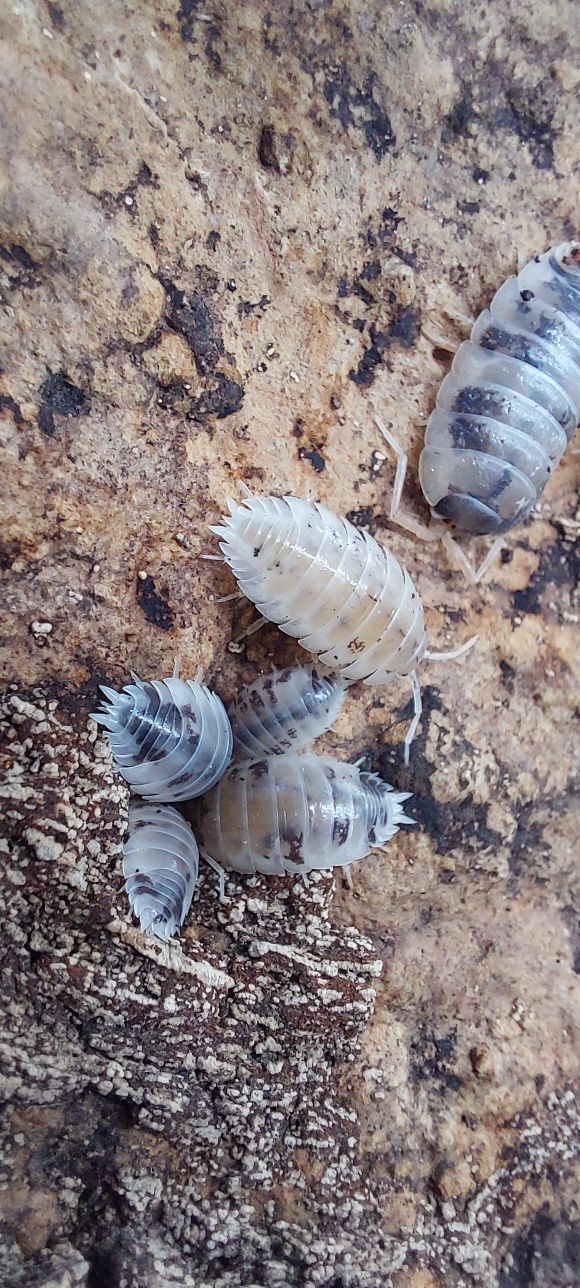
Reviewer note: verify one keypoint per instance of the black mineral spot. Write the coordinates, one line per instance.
(314, 456)
(480, 175)
(223, 399)
(155, 608)
(58, 396)
(247, 307)
(212, 240)
(10, 405)
(402, 331)
(267, 154)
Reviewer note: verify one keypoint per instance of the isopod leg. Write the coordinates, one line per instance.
(212, 863)
(250, 630)
(417, 711)
(473, 573)
(450, 655)
(403, 520)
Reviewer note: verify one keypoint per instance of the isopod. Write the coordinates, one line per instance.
(160, 866)
(293, 813)
(508, 406)
(344, 597)
(284, 711)
(170, 739)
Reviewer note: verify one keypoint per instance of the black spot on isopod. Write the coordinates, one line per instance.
(340, 831)
(294, 840)
(59, 397)
(259, 769)
(153, 605)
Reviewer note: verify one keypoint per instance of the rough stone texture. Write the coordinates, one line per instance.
(226, 233)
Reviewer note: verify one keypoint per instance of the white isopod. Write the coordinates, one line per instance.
(170, 739)
(284, 711)
(160, 866)
(293, 813)
(507, 408)
(333, 588)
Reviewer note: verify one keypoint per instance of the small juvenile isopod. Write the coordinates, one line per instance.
(160, 866)
(508, 406)
(170, 739)
(293, 813)
(333, 588)
(284, 711)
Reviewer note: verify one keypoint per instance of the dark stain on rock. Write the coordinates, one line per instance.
(530, 113)
(56, 16)
(212, 240)
(9, 404)
(155, 608)
(193, 319)
(431, 1058)
(313, 455)
(223, 398)
(459, 119)
(364, 517)
(402, 331)
(267, 154)
(527, 841)
(21, 266)
(454, 828)
(246, 307)
(546, 1255)
(59, 397)
(558, 566)
(186, 15)
(358, 109)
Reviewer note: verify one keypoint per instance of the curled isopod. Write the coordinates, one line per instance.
(508, 406)
(160, 866)
(293, 813)
(284, 711)
(333, 588)
(170, 739)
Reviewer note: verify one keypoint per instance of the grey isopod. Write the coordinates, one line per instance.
(170, 739)
(507, 408)
(160, 866)
(284, 711)
(293, 813)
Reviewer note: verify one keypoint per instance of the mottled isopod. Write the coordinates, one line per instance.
(332, 587)
(160, 866)
(171, 739)
(284, 711)
(296, 813)
(508, 406)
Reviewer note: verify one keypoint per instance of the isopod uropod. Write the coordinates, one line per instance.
(160, 866)
(332, 587)
(508, 406)
(293, 813)
(170, 739)
(284, 711)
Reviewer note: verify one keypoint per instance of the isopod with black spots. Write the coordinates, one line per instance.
(291, 813)
(160, 866)
(284, 711)
(507, 409)
(170, 739)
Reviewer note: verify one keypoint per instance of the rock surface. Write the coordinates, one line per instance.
(226, 235)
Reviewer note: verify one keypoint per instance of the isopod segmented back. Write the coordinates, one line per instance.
(160, 866)
(332, 587)
(510, 402)
(170, 739)
(284, 711)
(293, 813)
